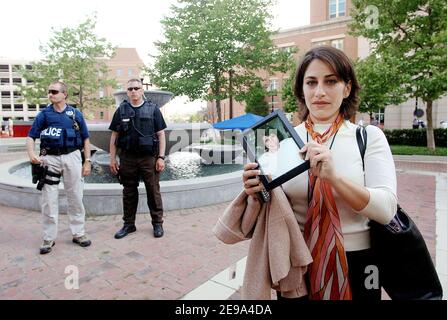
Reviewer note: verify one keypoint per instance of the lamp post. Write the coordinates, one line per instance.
(146, 84)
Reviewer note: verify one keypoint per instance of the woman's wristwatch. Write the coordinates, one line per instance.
(161, 157)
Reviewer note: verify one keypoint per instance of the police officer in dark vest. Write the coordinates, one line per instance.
(63, 134)
(138, 135)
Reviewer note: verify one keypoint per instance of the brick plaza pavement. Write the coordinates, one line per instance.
(142, 267)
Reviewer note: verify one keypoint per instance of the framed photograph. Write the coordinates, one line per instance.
(274, 144)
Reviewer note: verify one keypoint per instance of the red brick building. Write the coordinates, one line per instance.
(328, 26)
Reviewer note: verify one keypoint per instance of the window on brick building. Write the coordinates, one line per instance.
(337, 8)
(273, 85)
(338, 43)
(319, 43)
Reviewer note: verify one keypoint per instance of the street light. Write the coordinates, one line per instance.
(145, 84)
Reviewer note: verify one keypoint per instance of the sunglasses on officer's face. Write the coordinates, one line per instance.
(133, 88)
(53, 91)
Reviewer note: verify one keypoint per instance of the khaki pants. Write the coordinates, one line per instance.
(70, 166)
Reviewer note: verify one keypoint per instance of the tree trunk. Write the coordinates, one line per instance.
(81, 100)
(430, 134)
(219, 117)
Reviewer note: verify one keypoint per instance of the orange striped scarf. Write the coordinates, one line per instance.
(328, 273)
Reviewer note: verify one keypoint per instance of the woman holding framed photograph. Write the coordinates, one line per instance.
(334, 202)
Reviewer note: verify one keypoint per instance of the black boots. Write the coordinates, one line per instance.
(158, 230)
(125, 230)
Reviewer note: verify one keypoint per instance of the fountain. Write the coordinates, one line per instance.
(187, 182)
(178, 136)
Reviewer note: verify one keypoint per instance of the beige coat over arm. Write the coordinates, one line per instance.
(278, 255)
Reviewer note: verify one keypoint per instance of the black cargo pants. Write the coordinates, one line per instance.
(132, 167)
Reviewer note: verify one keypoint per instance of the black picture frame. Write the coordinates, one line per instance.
(286, 166)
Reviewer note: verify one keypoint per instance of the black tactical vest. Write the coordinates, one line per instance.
(136, 130)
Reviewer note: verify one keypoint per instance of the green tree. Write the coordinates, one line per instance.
(255, 100)
(213, 49)
(413, 32)
(76, 57)
(199, 116)
(288, 98)
(380, 81)
(287, 95)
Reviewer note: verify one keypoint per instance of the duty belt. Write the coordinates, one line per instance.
(57, 151)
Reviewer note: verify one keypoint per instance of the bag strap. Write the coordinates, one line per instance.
(362, 140)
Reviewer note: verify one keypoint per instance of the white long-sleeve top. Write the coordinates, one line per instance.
(379, 178)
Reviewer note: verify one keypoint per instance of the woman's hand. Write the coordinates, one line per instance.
(320, 157)
(252, 184)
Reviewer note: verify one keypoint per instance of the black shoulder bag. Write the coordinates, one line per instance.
(406, 269)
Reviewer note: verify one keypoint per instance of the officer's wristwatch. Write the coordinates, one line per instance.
(161, 157)
(88, 159)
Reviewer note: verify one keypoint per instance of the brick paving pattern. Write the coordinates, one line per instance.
(142, 267)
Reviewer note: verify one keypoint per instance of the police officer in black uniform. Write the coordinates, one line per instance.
(63, 134)
(138, 134)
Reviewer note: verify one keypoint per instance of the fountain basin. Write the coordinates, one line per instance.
(216, 153)
(178, 135)
(106, 198)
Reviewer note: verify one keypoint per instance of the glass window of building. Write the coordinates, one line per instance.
(32, 107)
(101, 115)
(119, 72)
(338, 43)
(4, 68)
(6, 94)
(4, 81)
(6, 107)
(101, 93)
(337, 8)
(18, 107)
(273, 84)
(129, 72)
(16, 80)
(319, 43)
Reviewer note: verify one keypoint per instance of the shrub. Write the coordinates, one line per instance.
(415, 137)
